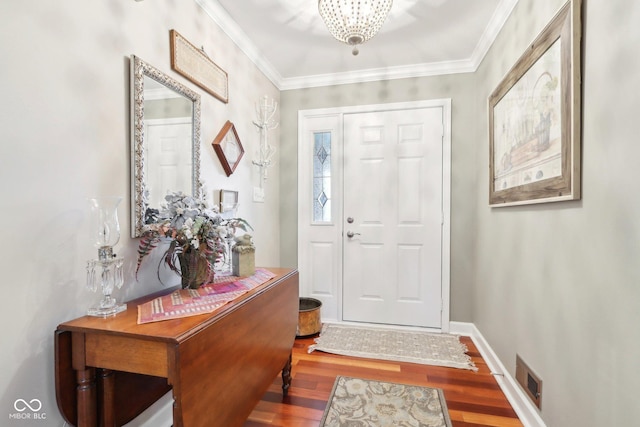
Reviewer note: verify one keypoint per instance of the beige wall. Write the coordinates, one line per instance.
(559, 283)
(458, 87)
(65, 121)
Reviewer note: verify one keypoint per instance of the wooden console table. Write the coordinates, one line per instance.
(218, 365)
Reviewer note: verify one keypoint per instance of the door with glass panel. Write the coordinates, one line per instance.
(373, 213)
(319, 210)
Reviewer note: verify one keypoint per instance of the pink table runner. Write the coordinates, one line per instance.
(206, 299)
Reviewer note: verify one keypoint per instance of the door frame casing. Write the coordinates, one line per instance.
(332, 311)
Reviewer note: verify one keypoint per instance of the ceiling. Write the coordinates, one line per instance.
(289, 42)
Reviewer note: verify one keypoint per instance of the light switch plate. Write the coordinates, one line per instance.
(258, 194)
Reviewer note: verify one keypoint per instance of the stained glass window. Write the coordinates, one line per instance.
(322, 177)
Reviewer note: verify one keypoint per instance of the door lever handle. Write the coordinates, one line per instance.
(350, 234)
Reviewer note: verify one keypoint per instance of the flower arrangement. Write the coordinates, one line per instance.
(197, 236)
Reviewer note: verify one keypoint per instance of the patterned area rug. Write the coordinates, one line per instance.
(396, 345)
(355, 402)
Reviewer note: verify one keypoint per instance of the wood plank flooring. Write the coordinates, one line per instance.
(473, 398)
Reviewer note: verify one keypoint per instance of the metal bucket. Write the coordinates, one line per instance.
(309, 317)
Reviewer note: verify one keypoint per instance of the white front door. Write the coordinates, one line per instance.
(169, 157)
(393, 217)
(381, 252)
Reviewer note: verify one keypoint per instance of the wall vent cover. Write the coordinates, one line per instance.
(530, 382)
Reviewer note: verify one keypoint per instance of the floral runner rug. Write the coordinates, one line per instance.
(205, 299)
(393, 344)
(368, 403)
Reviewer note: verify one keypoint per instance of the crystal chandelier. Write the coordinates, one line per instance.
(354, 21)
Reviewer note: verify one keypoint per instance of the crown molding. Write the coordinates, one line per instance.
(497, 21)
(377, 74)
(240, 38)
(470, 65)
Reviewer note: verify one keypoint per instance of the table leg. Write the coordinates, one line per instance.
(86, 393)
(286, 377)
(107, 397)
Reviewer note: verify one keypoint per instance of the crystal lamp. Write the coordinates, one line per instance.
(106, 271)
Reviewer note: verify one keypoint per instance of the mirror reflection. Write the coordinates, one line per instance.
(168, 129)
(165, 141)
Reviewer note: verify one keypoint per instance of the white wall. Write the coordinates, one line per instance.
(559, 283)
(65, 122)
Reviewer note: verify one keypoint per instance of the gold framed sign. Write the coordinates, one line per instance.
(535, 119)
(196, 66)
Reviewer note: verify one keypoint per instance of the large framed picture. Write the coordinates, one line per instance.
(535, 119)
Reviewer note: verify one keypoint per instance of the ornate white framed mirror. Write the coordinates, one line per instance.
(165, 141)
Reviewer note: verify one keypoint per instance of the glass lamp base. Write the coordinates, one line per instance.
(106, 311)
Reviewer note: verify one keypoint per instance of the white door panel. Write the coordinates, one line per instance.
(389, 173)
(393, 190)
(169, 157)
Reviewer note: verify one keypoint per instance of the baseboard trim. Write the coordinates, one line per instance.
(526, 410)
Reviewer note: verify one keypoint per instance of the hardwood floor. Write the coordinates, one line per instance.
(473, 398)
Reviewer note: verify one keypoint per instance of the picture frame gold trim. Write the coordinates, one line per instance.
(195, 65)
(535, 119)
